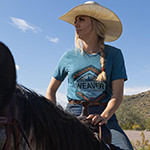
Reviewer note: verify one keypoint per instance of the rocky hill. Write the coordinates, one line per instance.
(135, 111)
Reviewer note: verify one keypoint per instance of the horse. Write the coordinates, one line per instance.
(29, 121)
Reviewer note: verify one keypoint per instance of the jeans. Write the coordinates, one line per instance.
(119, 139)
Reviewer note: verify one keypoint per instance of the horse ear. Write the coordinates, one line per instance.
(7, 73)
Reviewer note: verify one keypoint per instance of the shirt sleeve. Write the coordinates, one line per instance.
(118, 67)
(60, 71)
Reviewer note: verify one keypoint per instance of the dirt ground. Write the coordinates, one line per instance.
(135, 135)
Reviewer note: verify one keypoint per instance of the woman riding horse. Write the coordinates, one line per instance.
(29, 121)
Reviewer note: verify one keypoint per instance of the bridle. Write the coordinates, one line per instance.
(11, 122)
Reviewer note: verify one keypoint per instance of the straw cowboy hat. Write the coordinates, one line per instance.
(92, 9)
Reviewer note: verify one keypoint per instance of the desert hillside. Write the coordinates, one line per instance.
(134, 112)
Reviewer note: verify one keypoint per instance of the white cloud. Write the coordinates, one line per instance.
(135, 90)
(61, 99)
(54, 40)
(23, 25)
(17, 67)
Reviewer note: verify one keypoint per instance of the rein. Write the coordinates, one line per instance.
(11, 122)
(104, 138)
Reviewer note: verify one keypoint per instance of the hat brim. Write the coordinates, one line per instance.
(110, 20)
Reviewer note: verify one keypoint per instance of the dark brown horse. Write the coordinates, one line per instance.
(29, 121)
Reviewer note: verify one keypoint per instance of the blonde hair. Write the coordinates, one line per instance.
(98, 28)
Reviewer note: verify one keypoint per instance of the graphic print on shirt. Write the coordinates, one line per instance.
(87, 87)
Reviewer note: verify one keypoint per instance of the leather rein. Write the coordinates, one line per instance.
(101, 137)
(11, 122)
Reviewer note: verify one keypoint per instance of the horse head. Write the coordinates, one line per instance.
(7, 76)
(7, 86)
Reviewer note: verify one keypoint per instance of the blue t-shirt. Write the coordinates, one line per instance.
(83, 69)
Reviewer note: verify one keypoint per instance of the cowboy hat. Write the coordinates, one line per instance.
(92, 9)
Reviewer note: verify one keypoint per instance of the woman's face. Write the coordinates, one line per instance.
(84, 28)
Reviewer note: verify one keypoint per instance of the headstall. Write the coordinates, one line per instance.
(11, 122)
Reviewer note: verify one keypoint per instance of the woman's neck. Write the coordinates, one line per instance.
(91, 47)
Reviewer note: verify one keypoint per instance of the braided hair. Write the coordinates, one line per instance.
(99, 28)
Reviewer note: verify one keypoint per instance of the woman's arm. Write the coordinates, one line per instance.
(115, 101)
(113, 104)
(52, 89)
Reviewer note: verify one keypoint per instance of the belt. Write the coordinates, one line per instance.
(73, 101)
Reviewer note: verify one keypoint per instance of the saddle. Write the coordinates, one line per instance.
(102, 133)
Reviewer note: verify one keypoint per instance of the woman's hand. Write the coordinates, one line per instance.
(97, 119)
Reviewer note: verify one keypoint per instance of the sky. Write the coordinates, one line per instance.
(37, 40)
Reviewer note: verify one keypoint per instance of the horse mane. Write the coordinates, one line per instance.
(52, 127)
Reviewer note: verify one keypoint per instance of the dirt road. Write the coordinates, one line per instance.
(135, 135)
